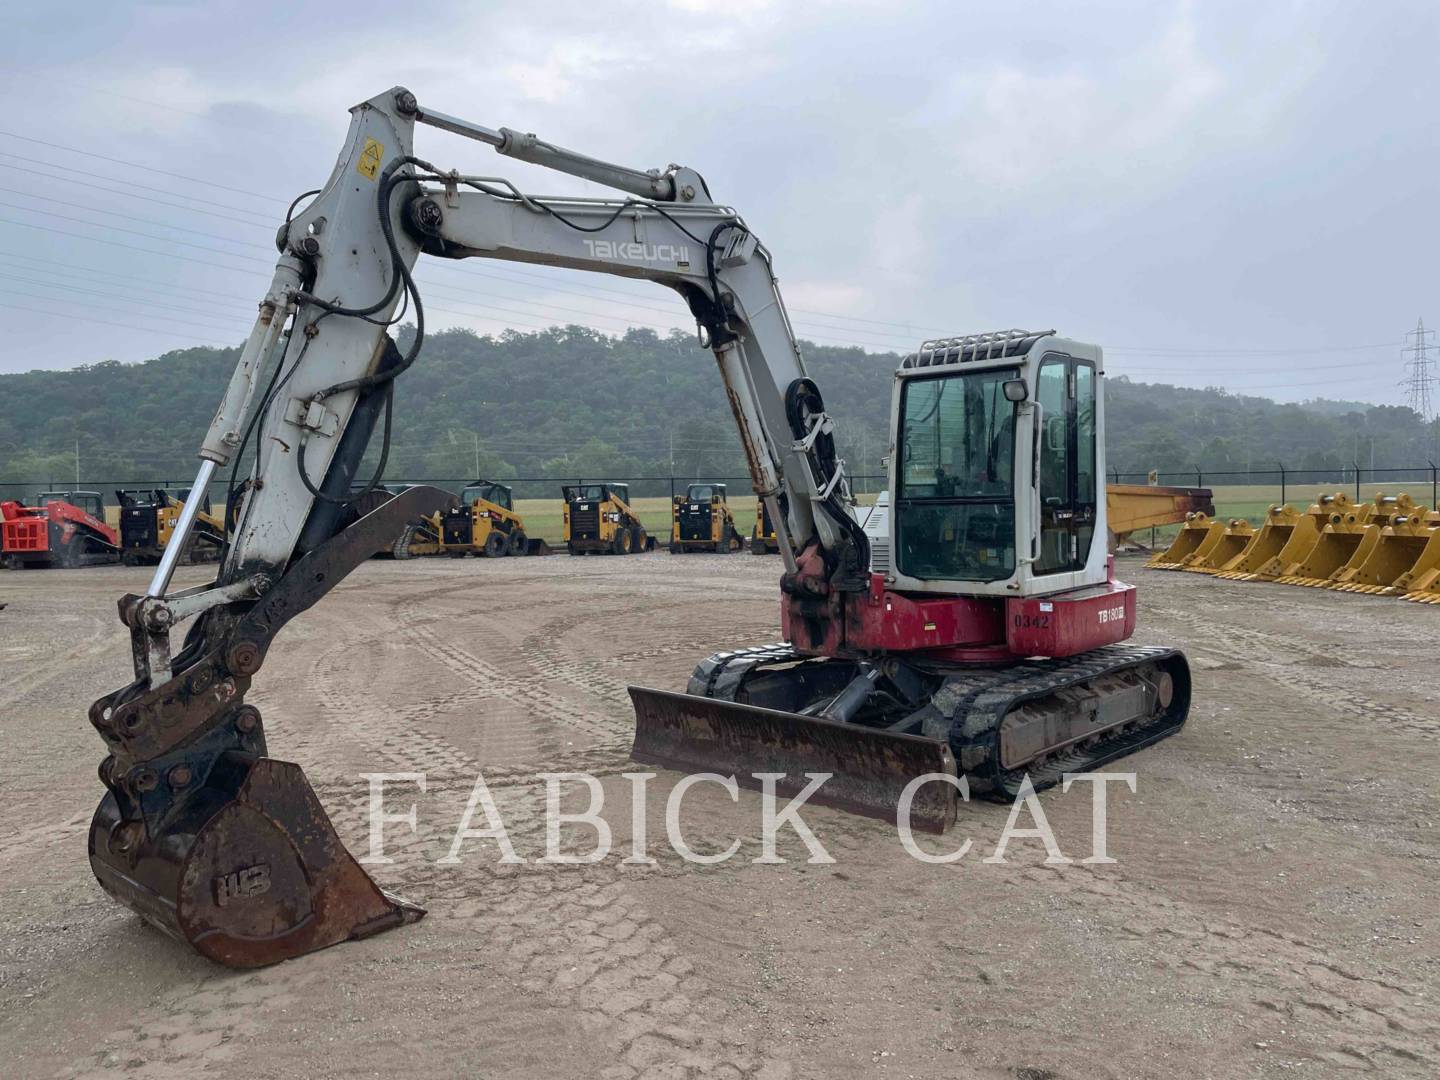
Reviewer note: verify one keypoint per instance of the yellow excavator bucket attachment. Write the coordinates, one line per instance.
(1398, 550)
(1234, 539)
(1265, 544)
(1421, 583)
(1191, 537)
(1304, 535)
(1341, 541)
(1388, 511)
(1211, 540)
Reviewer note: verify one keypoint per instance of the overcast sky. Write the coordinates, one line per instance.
(1234, 194)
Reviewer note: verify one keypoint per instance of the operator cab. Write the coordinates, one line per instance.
(488, 491)
(705, 493)
(89, 501)
(999, 444)
(596, 493)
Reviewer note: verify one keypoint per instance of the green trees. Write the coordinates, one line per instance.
(569, 401)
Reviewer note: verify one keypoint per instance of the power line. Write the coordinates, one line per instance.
(123, 217)
(86, 179)
(146, 168)
(105, 322)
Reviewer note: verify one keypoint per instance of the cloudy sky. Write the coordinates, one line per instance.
(1219, 193)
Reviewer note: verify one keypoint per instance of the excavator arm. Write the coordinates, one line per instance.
(201, 832)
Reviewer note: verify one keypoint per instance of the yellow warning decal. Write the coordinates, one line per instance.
(369, 163)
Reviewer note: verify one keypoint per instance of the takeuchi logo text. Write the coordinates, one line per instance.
(638, 252)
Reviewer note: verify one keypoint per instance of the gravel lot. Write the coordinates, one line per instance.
(1273, 911)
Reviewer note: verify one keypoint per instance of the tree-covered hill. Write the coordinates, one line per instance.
(571, 402)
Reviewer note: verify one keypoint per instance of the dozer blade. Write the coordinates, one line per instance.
(250, 874)
(869, 767)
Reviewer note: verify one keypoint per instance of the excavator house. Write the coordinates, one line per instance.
(979, 635)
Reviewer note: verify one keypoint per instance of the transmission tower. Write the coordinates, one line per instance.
(1418, 374)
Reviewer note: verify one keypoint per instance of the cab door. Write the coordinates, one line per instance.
(1065, 390)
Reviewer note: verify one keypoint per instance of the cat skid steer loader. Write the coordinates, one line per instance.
(599, 521)
(985, 636)
(700, 520)
(485, 523)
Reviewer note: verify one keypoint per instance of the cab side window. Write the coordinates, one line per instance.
(1069, 486)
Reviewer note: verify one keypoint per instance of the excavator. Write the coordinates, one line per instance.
(983, 638)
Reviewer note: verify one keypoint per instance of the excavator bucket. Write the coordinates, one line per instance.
(1194, 534)
(869, 767)
(1396, 551)
(201, 832)
(1343, 542)
(1304, 534)
(1421, 582)
(1265, 544)
(251, 873)
(1214, 533)
(1234, 538)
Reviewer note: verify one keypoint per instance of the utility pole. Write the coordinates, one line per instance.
(1419, 377)
(476, 436)
(77, 463)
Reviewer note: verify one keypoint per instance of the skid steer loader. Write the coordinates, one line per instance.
(147, 521)
(762, 535)
(987, 635)
(598, 521)
(700, 520)
(62, 529)
(485, 523)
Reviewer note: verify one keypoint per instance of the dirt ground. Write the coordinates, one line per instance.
(1273, 910)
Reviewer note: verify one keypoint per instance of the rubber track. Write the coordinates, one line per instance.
(972, 704)
(987, 697)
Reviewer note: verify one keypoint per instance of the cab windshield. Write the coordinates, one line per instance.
(956, 499)
(491, 493)
(702, 492)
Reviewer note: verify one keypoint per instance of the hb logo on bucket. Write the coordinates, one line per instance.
(247, 882)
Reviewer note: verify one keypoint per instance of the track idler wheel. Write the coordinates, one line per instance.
(248, 869)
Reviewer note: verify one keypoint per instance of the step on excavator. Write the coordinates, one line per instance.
(985, 635)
